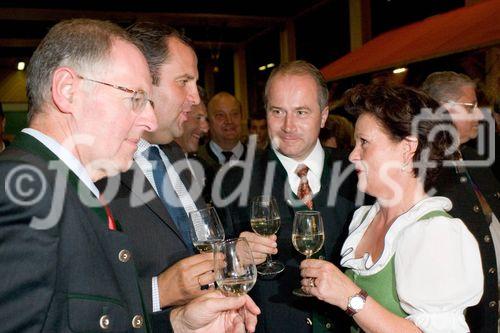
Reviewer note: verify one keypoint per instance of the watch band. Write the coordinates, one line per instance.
(351, 311)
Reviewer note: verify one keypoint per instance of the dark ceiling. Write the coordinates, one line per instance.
(211, 24)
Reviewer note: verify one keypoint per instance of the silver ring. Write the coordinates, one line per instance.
(211, 284)
(311, 283)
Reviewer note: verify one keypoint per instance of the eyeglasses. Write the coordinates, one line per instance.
(469, 107)
(138, 100)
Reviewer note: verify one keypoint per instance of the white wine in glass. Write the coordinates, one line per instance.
(205, 229)
(265, 221)
(235, 270)
(308, 236)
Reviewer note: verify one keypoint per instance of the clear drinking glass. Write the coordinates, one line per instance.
(308, 236)
(235, 271)
(205, 229)
(265, 221)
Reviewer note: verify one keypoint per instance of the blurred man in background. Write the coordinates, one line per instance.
(473, 190)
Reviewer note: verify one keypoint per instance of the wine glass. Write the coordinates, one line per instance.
(205, 229)
(235, 270)
(265, 221)
(308, 237)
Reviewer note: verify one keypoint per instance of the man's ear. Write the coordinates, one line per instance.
(64, 86)
(324, 116)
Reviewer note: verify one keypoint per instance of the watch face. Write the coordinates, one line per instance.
(357, 303)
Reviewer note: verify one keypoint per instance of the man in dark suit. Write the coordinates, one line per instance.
(296, 102)
(152, 203)
(472, 188)
(224, 116)
(65, 264)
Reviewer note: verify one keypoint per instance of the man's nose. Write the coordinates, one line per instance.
(288, 123)
(148, 119)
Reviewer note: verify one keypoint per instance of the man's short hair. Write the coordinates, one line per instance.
(82, 44)
(300, 67)
(446, 86)
(153, 36)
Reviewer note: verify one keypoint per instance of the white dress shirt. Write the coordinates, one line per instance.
(314, 161)
(64, 155)
(237, 151)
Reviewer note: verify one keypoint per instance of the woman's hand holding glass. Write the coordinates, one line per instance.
(308, 237)
(330, 284)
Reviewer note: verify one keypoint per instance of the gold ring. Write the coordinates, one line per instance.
(311, 283)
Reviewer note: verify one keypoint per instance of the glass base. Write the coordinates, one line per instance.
(301, 293)
(271, 267)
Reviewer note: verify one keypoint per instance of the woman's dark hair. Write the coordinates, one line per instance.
(396, 109)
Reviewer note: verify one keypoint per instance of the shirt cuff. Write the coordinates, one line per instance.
(156, 294)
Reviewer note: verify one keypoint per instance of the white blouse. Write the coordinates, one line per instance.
(437, 264)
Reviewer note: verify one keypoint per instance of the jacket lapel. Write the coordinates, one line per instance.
(155, 204)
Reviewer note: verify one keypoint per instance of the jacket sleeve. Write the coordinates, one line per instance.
(28, 256)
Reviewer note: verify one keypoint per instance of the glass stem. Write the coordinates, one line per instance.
(269, 260)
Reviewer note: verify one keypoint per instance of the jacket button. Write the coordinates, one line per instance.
(487, 239)
(124, 255)
(309, 321)
(104, 322)
(328, 325)
(492, 304)
(137, 321)
(463, 179)
(476, 209)
(492, 270)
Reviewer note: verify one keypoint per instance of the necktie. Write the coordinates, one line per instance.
(111, 220)
(168, 195)
(304, 191)
(227, 155)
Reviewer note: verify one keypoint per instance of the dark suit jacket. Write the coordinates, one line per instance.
(66, 276)
(282, 311)
(156, 241)
(211, 165)
(455, 185)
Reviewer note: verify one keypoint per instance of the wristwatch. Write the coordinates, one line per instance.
(356, 302)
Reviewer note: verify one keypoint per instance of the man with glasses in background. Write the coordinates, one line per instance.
(473, 189)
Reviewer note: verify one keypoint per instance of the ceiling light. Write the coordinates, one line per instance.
(400, 70)
(270, 65)
(21, 65)
(262, 68)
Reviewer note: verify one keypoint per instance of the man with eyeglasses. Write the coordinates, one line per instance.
(65, 264)
(473, 190)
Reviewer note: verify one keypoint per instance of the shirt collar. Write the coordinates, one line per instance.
(237, 150)
(65, 155)
(314, 161)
